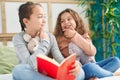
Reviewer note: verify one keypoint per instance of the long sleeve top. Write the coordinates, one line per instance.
(44, 47)
(81, 55)
(85, 43)
(82, 41)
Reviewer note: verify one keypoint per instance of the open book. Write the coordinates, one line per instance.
(55, 70)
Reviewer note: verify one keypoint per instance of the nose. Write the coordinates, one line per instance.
(44, 20)
(66, 21)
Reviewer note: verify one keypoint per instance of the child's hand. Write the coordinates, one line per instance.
(44, 35)
(76, 68)
(69, 33)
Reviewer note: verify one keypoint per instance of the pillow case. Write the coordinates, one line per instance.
(8, 59)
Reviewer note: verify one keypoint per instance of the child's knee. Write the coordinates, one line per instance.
(19, 68)
(117, 60)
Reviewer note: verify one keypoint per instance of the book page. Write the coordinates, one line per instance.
(48, 59)
(47, 66)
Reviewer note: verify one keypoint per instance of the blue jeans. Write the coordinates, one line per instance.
(26, 72)
(102, 68)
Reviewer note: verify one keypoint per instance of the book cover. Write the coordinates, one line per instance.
(55, 70)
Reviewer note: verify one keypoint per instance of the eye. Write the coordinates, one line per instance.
(40, 16)
(69, 19)
(62, 21)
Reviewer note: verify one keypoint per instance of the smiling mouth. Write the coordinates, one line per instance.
(67, 26)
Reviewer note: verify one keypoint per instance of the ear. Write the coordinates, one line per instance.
(25, 20)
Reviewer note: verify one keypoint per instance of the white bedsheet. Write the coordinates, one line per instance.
(6, 77)
(9, 77)
(111, 78)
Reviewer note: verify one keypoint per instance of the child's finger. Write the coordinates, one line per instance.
(38, 33)
(41, 30)
(65, 30)
(72, 72)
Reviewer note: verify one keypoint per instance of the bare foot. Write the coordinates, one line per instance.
(93, 78)
(116, 74)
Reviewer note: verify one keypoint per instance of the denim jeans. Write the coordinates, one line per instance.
(25, 72)
(102, 68)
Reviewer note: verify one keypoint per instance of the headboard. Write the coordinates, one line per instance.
(4, 38)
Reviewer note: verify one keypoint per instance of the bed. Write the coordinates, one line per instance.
(111, 78)
(8, 60)
(9, 77)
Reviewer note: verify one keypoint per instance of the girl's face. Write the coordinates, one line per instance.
(37, 20)
(67, 21)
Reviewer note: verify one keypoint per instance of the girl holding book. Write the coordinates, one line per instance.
(32, 19)
(73, 37)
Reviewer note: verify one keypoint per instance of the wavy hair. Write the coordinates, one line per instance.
(81, 27)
